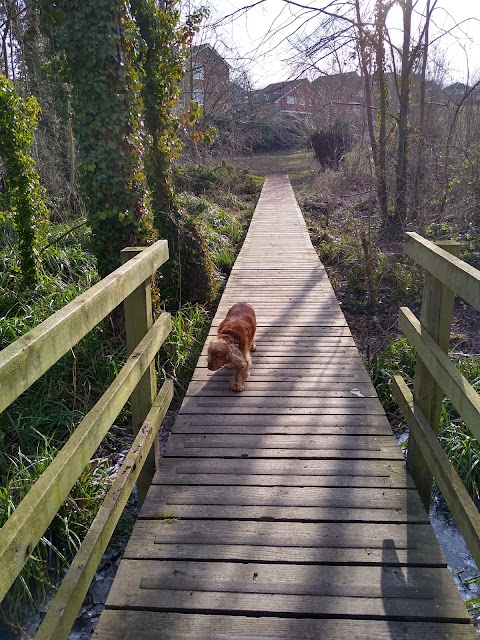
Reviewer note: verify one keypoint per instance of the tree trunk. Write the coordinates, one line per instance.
(396, 222)
(419, 179)
(382, 191)
(98, 38)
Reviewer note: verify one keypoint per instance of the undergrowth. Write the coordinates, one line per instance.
(41, 420)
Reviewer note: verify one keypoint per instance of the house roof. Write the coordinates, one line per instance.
(278, 90)
(197, 48)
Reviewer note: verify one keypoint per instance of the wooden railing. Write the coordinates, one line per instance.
(435, 376)
(24, 361)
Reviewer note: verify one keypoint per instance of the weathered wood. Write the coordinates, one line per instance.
(338, 472)
(282, 420)
(453, 384)
(68, 599)
(346, 444)
(463, 510)
(138, 320)
(452, 272)
(244, 404)
(436, 318)
(146, 625)
(331, 389)
(25, 360)
(272, 374)
(28, 522)
(298, 542)
(289, 588)
(284, 504)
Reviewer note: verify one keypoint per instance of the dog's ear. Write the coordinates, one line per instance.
(236, 358)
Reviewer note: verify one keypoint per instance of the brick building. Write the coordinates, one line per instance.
(207, 81)
(291, 98)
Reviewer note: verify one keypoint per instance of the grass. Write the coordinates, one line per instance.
(179, 355)
(294, 163)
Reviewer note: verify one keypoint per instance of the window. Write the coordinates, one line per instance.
(302, 102)
(291, 100)
(199, 96)
(198, 73)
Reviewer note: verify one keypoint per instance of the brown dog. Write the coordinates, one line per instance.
(232, 346)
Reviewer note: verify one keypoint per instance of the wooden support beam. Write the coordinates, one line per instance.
(138, 320)
(436, 318)
(461, 393)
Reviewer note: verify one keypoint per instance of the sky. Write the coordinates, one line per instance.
(246, 40)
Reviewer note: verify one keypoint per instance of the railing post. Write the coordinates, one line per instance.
(436, 318)
(138, 320)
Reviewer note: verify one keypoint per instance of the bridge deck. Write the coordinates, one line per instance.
(284, 511)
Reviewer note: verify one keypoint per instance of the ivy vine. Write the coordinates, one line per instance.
(24, 197)
(101, 47)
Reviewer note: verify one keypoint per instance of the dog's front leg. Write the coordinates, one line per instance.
(238, 380)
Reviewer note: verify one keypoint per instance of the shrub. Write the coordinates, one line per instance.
(331, 146)
(211, 180)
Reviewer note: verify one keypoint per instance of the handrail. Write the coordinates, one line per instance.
(24, 361)
(436, 376)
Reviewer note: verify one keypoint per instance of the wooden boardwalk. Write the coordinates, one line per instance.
(285, 511)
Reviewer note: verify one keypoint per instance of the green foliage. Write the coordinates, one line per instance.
(24, 199)
(212, 180)
(398, 358)
(204, 236)
(461, 447)
(189, 274)
(61, 540)
(440, 231)
(100, 43)
(222, 229)
(181, 350)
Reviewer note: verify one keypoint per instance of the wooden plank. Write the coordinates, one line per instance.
(297, 542)
(145, 625)
(461, 505)
(286, 406)
(316, 504)
(293, 589)
(63, 610)
(298, 350)
(281, 420)
(323, 442)
(454, 273)
(268, 472)
(22, 531)
(272, 374)
(327, 364)
(26, 359)
(295, 429)
(214, 386)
